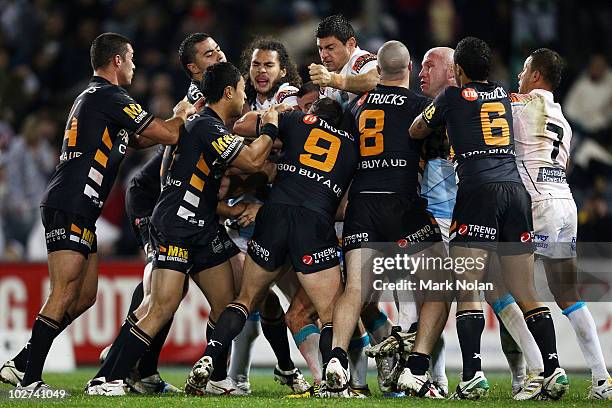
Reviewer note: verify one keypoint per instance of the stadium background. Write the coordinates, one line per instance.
(44, 64)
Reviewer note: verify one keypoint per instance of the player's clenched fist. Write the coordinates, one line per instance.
(320, 75)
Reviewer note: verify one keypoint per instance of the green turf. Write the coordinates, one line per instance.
(268, 394)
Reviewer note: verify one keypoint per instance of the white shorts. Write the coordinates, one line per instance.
(444, 224)
(240, 240)
(555, 224)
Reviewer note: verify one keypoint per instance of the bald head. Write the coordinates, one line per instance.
(394, 61)
(437, 71)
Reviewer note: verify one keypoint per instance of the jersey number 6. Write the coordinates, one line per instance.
(328, 155)
(499, 124)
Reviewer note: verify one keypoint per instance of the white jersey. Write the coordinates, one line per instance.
(286, 94)
(542, 140)
(360, 62)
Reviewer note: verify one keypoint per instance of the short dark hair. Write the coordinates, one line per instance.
(216, 78)
(328, 109)
(548, 63)
(187, 49)
(335, 26)
(285, 62)
(105, 46)
(307, 88)
(474, 56)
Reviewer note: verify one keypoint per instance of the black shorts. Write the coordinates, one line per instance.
(384, 218)
(176, 254)
(306, 236)
(491, 214)
(65, 231)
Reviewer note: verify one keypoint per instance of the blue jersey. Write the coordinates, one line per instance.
(439, 187)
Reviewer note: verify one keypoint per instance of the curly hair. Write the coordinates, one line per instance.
(474, 56)
(285, 61)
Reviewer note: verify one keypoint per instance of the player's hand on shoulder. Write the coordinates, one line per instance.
(183, 109)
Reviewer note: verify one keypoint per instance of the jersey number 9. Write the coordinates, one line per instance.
(498, 124)
(327, 155)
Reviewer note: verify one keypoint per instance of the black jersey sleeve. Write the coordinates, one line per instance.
(223, 146)
(435, 112)
(286, 122)
(128, 113)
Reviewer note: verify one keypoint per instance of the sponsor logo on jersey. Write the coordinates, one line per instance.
(225, 145)
(356, 238)
(402, 243)
(57, 234)
(325, 255)
(527, 236)
(551, 175)
(173, 253)
(361, 61)
(541, 240)
(310, 119)
(282, 95)
(82, 236)
(135, 112)
(477, 231)
(258, 250)
(469, 94)
(362, 99)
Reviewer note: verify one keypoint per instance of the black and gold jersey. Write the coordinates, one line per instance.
(316, 165)
(478, 121)
(95, 141)
(388, 157)
(191, 176)
(194, 93)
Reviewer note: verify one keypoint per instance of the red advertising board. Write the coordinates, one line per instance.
(24, 286)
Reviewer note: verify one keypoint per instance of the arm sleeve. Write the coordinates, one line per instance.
(435, 112)
(363, 64)
(128, 113)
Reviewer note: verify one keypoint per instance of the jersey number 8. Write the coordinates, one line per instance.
(328, 155)
(369, 134)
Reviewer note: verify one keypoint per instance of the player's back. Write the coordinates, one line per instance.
(388, 157)
(95, 141)
(317, 164)
(543, 137)
(478, 119)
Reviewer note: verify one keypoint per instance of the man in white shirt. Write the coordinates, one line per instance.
(542, 138)
(346, 69)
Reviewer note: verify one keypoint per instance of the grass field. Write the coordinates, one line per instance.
(267, 393)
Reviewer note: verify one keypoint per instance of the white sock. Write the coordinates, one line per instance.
(307, 341)
(241, 356)
(407, 315)
(358, 361)
(438, 362)
(586, 333)
(514, 355)
(379, 328)
(512, 317)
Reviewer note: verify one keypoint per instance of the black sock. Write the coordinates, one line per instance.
(137, 297)
(418, 363)
(341, 355)
(230, 324)
(275, 332)
(325, 342)
(45, 330)
(540, 324)
(113, 353)
(470, 325)
(148, 362)
(134, 346)
(413, 327)
(21, 359)
(219, 370)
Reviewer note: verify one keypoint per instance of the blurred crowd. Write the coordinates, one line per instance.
(44, 64)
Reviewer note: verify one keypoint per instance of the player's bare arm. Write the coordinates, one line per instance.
(165, 131)
(253, 157)
(419, 128)
(350, 83)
